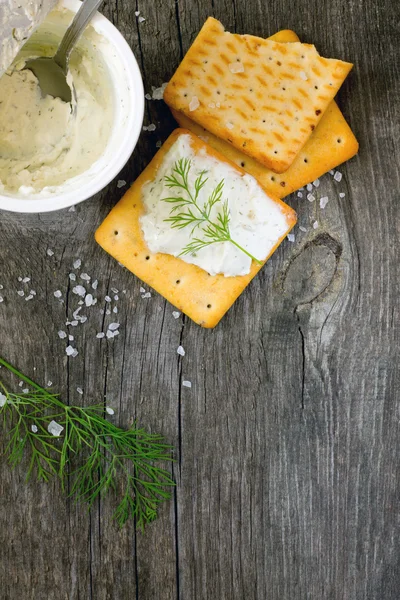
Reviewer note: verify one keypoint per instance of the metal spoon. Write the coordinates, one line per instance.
(52, 72)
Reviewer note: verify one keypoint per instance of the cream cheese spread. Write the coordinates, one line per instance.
(44, 143)
(256, 221)
(18, 20)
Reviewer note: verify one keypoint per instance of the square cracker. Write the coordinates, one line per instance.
(263, 97)
(204, 298)
(330, 144)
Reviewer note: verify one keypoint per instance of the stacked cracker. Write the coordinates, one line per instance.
(265, 104)
(262, 106)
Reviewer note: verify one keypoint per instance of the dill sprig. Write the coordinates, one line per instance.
(92, 454)
(186, 211)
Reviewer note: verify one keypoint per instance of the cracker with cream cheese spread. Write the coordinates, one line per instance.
(204, 298)
(263, 97)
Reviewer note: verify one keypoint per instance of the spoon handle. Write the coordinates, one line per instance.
(74, 31)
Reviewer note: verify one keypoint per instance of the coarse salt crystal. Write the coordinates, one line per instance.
(150, 127)
(21, 293)
(230, 125)
(88, 299)
(29, 297)
(19, 279)
(110, 334)
(1, 287)
(137, 13)
(181, 351)
(71, 209)
(114, 290)
(3, 400)
(62, 334)
(331, 171)
(303, 75)
(1, 299)
(49, 383)
(159, 144)
(323, 201)
(113, 326)
(79, 390)
(186, 383)
(158, 93)
(316, 183)
(95, 284)
(310, 197)
(21, 383)
(146, 295)
(194, 103)
(115, 310)
(302, 228)
(100, 335)
(34, 428)
(57, 294)
(147, 96)
(26, 279)
(71, 338)
(291, 237)
(32, 292)
(108, 312)
(85, 277)
(83, 319)
(142, 290)
(107, 299)
(69, 350)
(79, 290)
(25, 391)
(342, 195)
(55, 428)
(121, 183)
(176, 314)
(72, 323)
(236, 67)
(49, 252)
(315, 224)
(141, 19)
(309, 187)
(116, 298)
(109, 410)
(72, 276)
(77, 263)
(338, 176)
(299, 194)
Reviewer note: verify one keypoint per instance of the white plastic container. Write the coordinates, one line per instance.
(127, 85)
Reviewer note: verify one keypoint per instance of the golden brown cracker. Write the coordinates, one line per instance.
(263, 97)
(204, 298)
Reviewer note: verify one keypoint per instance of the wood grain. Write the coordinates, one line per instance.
(287, 444)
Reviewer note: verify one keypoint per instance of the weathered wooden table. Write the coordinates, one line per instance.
(287, 444)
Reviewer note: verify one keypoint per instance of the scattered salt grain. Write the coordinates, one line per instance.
(176, 314)
(21, 383)
(49, 383)
(299, 194)
(79, 290)
(338, 176)
(310, 197)
(303, 75)
(108, 312)
(71, 209)
(111, 334)
(21, 293)
(26, 280)
(77, 263)
(331, 171)
(115, 310)
(32, 292)
(49, 252)
(186, 383)
(146, 295)
(72, 276)
(83, 319)
(302, 228)
(150, 127)
(211, 105)
(100, 335)
(147, 96)
(316, 183)
(315, 225)
(62, 335)
(291, 237)
(181, 351)
(323, 201)
(57, 294)
(85, 277)
(73, 323)
(342, 195)
(141, 19)
(158, 93)
(79, 390)
(25, 390)
(109, 410)
(230, 125)
(137, 13)
(159, 144)
(55, 428)
(309, 187)
(70, 351)
(116, 298)
(142, 290)
(1, 299)
(29, 297)
(80, 302)
(71, 338)
(114, 290)
(88, 299)
(121, 183)
(236, 67)
(34, 428)
(113, 326)
(20, 279)
(107, 299)
(95, 284)
(194, 103)
(1, 287)
(3, 400)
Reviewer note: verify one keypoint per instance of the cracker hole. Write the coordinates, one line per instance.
(317, 112)
(115, 232)
(218, 92)
(251, 89)
(272, 178)
(306, 160)
(316, 87)
(283, 183)
(302, 56)
(278, 62)
(284, 89)
(135, 254)
(208, 305)
(242, 164)
(339, 141)
(275, 151)
(185, 95)
(147, 257)
(178, 281)
(263, 120)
